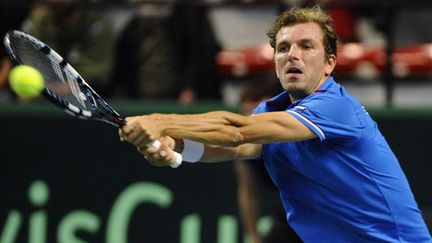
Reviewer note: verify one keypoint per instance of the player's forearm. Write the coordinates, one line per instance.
(214, 153)
(211, 153)
(217, 128)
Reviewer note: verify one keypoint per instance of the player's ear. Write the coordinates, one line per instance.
(276, 69)
(330, 64)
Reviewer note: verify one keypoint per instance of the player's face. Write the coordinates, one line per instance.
(301, 64)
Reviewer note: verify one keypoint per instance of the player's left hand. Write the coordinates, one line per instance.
(162, 157)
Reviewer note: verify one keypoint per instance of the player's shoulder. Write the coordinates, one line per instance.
(332, 104)
(332, 96)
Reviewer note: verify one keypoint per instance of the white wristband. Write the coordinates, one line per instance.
(192, 151)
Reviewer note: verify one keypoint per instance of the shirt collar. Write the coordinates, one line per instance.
(282, 101)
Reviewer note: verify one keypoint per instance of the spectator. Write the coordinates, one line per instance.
(168, 52)
(82, 35)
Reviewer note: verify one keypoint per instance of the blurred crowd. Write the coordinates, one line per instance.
(207, 50)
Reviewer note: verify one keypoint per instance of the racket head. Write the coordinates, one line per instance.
(64, 86)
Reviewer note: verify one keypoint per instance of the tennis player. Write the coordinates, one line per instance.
(339, 180)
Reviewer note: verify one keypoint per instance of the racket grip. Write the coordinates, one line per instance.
(178, 157)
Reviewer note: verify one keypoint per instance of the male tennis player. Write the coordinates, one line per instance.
(339, 180)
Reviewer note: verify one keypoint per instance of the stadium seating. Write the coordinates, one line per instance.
(354, 59)
(413, 61)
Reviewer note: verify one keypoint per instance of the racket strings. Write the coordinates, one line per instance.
(59, 79)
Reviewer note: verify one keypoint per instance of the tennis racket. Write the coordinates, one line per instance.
(64, 87)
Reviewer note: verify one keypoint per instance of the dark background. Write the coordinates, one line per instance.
(86, 167)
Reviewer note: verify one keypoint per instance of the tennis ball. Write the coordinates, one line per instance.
(26, 81)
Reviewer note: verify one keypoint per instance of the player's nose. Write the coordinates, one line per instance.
(293, 53)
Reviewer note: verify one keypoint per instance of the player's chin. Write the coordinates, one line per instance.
(292, 80)
(296, 91)
(292, 85)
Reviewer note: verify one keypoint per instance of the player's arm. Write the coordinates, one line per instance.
(211, 153)
(217, 128)
(214, 153)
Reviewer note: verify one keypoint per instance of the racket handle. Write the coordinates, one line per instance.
(178, 157)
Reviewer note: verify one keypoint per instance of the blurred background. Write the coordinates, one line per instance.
(72, 181)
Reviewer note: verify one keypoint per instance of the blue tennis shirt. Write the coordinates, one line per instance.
(346, 185)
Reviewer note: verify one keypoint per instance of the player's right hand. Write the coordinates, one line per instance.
(140, 130)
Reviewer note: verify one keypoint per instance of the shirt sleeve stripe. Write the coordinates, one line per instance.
(316, 129)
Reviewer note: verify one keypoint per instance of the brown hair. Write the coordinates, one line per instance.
(314, 14)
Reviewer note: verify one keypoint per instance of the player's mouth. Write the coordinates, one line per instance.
(294, 72)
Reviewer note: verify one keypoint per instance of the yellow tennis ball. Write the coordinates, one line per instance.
(26, 81)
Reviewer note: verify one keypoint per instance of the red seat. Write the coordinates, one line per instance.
(360, 60)
(413, 60)
(246, 61)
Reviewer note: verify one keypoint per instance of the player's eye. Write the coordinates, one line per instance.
(307, 45)
(282, 48)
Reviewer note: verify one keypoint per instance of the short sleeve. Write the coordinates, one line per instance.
(330, 118)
